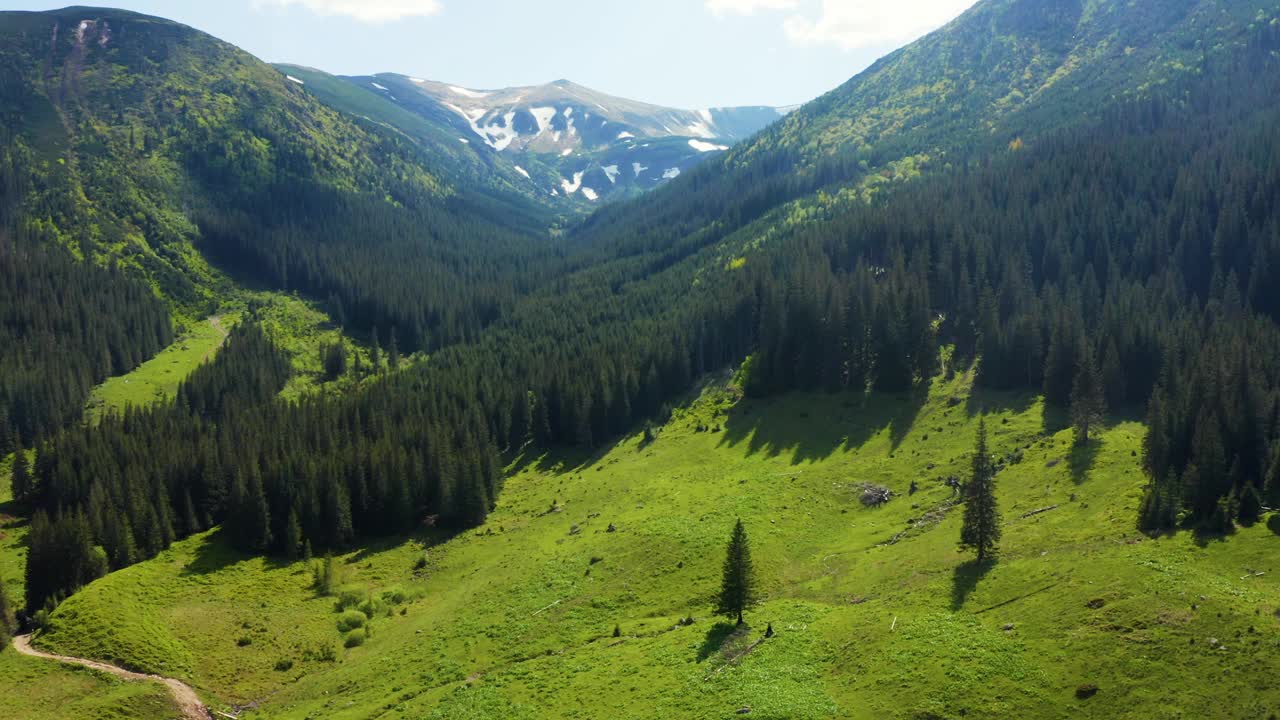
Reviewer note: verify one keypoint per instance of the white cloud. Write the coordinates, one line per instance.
(850, 24)
(370, 11)
(747, 7)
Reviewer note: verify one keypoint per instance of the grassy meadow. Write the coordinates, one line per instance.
(876, 613)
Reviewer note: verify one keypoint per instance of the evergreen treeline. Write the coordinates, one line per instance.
(65, 326)
(279, 476)
(1140, 249)
(421, 272)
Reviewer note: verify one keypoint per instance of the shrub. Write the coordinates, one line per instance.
(350, 620)
(1086, 691)
(372, 607)
(348, 598)
(324, 576)
(284, 665)
(324, 652)
(244, 641)
(355, 638)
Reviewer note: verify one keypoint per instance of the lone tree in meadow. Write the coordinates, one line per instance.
(738, 589)
(981, 529)
(1088, 404)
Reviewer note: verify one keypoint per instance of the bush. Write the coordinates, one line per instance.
(244, 641)
(350, 620)
(324, 576)
(324, 652)
(284, 665)
(355, 638)
(372, 607)
(348, 598)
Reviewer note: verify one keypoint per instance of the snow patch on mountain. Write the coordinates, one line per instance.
(637, 168)
(611, 171)
(496, 135)
(376, 85)
(566, 152)
(572, 187)
(671, 174)
(474, 94)
(294, 79)
(522, 171)
(625, 136)
(701, 146)
(590, 194)
(542, 116)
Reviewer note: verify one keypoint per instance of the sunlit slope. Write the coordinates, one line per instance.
(876, 612)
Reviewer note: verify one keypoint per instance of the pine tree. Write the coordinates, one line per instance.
(738, 587)
(292, 537)
(21, 480)
(981, 530)
(1088, 404)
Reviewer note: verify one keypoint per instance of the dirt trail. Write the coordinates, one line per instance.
(188, 702)
(216, 322)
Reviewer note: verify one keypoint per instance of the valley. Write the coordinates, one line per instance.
(363, 396)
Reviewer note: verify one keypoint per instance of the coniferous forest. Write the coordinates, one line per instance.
(1121, 268)
(1031, 263)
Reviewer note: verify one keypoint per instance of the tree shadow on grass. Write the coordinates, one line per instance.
(765, 430)
(1082, 459)
(1273, 523)
(214, 554)
(986, 401)
(965, 580)
(1055, 419)
(717, 636)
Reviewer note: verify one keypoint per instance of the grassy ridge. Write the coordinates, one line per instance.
(516, 619)
(38, 689)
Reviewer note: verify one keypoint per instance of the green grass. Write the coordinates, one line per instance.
(13, 537)
(158, 378)
(296, 325)
(516, 619)
(37, 689)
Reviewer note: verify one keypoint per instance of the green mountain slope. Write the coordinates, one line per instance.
(876, 614)
(1006, 70)
(1137, 246)
(143, 141)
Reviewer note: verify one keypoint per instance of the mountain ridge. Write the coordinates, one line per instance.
(560, 139)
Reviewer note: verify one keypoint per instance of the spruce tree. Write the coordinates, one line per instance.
(1088, 404)
(981, 530)
(21, 475)
(738, 587)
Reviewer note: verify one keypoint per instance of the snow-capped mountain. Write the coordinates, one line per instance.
(564, 116)
(566, 141)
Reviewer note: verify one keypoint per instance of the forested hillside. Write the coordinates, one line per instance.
(139, 140)
(1062, 215)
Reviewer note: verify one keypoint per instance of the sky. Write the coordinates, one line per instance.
(681, 53)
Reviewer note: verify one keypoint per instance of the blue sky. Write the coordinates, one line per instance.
(684, 53)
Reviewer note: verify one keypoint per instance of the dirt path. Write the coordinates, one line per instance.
(188, 701)
(216, 322)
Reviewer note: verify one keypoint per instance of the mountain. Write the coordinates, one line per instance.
(1004, 71)
(561, 139)
(148, 143)
(882, 331)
